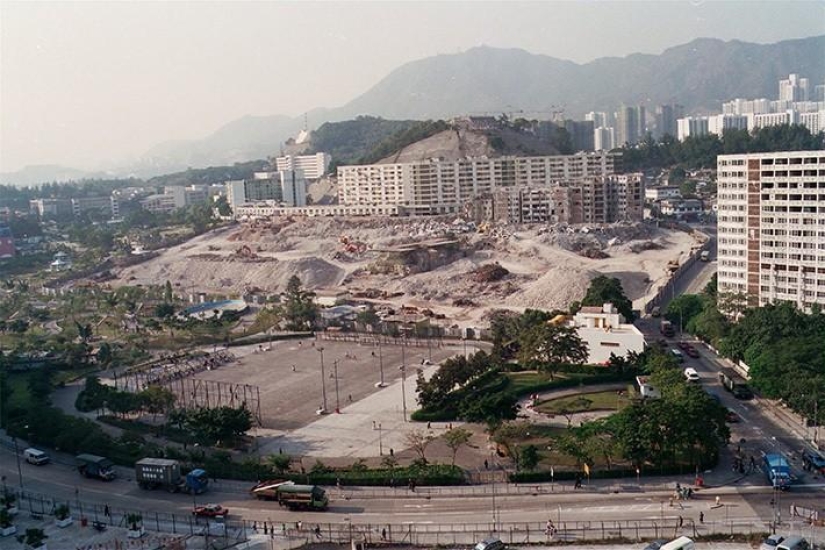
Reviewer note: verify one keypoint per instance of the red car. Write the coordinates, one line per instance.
(691, 351)
(210, 511)
(683, 345)
(731, 417)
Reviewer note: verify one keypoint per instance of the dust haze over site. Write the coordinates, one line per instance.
(96, 85)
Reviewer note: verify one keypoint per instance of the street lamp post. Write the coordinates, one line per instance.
(17, 456)
(380, 442)
(337, 397)
(404, 376)
(381, 383)
(323, 381)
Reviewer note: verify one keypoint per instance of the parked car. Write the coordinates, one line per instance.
(793, 543)
(731, 417)
(771, 542)
(492, 543)
(741, 391)
(813, 462)
(210, 511)
(655, 545)
(691, 351)
(691, 375)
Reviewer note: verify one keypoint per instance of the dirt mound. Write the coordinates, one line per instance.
(556, 289)
(489, 273)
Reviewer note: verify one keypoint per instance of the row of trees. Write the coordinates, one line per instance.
(783, 346)
(701, 151)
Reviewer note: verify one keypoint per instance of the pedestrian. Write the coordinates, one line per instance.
(318, 531)
(384, 533)
(486, 464)
(681, 521)
(392, 453)
(350, 398)
(299, 524)
(718, 499)
(106, 511)
(428, 425)
(293, 368)
(701, 517)
(266, 529)
(255, 526)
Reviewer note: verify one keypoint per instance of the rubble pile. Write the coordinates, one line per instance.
(489, 273)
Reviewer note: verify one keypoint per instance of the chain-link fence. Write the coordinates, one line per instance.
(223, 532)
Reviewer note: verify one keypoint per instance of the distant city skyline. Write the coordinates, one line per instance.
(87, 85)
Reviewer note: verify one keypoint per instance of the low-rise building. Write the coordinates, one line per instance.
(660, 193)
(605, 332)
(105, 204)
(175, 197)
(50, 208)
(681, 208)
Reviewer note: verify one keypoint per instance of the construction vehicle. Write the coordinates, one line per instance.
(294, 497)
(268, 490)
(666, 328)
(777, 470)
(154, 473)
(95, 466)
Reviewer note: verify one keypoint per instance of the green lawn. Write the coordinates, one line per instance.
(598, 401)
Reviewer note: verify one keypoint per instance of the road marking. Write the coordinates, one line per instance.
(418, 506)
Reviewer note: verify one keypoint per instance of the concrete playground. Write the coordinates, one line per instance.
(371, 419)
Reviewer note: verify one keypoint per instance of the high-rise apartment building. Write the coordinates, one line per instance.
(691, 127)
(666, 117)
(604, 139)
(794, 88)
(581, 134)
(599, 118)
(285, 186)
(313, 166)
(771, 226)
(630, 124)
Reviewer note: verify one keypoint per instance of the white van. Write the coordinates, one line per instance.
(36, 456)
(682, 543)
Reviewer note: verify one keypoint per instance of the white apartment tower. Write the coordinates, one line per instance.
(794, 89)
(771, 226)
(313, 166)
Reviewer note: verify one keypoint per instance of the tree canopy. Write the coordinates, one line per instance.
(605, 289)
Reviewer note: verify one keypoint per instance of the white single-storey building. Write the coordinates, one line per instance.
(605, 332)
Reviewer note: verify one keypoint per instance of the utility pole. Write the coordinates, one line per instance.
(403, 379)
(381, 383)
(337, 397)
(323, 381)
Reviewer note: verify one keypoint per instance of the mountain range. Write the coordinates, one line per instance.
(699, 75)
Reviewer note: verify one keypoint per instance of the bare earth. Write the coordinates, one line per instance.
(545, 269)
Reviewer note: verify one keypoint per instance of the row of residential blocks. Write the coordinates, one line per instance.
(581, 188)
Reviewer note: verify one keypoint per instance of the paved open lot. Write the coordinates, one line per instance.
(371, 419)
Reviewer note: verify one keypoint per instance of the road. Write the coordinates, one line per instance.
(599, 501)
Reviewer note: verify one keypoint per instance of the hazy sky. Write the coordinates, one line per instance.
(86, 83)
